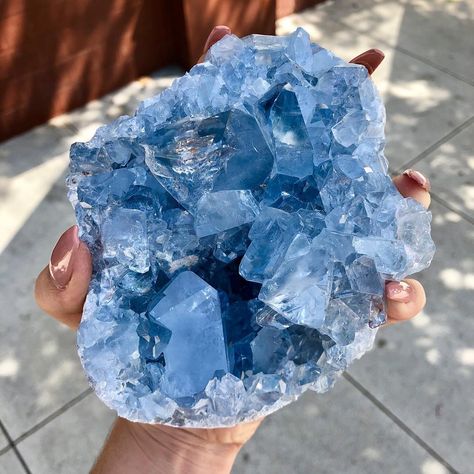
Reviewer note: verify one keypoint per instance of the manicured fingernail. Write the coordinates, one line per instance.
(419, 178)
(217, 33)
(62, 257)
(398, 291)
(371, 59)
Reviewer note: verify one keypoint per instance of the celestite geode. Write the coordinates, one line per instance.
(242, 225)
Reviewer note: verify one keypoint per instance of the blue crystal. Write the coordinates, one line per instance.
(242, 226)
(190, 310)
(219, 211)
(300, 288)
(293, 151)
(116, 242)
(270, 235)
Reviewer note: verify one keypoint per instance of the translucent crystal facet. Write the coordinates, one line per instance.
(242, 226)
(190, 310)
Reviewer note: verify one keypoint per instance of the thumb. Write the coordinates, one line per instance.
(62, 286)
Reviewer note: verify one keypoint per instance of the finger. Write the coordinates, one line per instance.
(415, 185)
(405, 300)
(217, 33)
(371, 59)
(62, 286)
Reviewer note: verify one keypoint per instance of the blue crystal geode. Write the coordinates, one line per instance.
(242, 225)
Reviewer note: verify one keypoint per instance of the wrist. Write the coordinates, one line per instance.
(180, 450)
(141, 448)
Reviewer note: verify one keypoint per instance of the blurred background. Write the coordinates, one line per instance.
(406, 407)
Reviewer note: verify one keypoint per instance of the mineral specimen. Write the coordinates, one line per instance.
(242, 225)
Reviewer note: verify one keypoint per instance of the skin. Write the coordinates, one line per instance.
(132, 448)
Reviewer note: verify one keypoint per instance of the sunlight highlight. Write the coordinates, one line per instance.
(430, 466)
(466, 356)
(456, 280)
(9, 367)
(23, 194)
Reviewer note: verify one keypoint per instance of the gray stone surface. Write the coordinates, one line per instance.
(31, 149)
(429, 29)
(423, 370)
(423, 104)
(339, 432)
(28, 170)
(9, 464)
(71, 442)
(39, 367)
(451, 171)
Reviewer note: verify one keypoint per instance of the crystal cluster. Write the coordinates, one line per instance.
(242, 225)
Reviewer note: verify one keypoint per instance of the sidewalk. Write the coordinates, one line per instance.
(407, 407)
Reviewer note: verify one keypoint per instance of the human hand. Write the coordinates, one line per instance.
(61, 289)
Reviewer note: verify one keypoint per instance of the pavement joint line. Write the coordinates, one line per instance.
(442, 202)
(434, 65)
(430, 150)
(456, 131)
(72, 128)
(11, 445)
(407, 52)
(47, 420)
(408, 431)
(459, 212)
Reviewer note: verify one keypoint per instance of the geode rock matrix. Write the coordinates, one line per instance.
(242, 225)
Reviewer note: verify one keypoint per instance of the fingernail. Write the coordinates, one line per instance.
(419, 178)
(371, 59)
(398, 291)
(217, 33)
(62, 257)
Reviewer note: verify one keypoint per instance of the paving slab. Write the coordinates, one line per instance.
(423, 103)
(451, 171)
(423, 371)
(340, 431)
(438, 31)
(21, 194)
(9, 464)
(39, 367)
(71, 442)
(29, 165)
(28, 150)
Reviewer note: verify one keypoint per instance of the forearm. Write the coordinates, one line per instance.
(134, 448)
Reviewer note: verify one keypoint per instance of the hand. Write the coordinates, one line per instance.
(61, 289)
